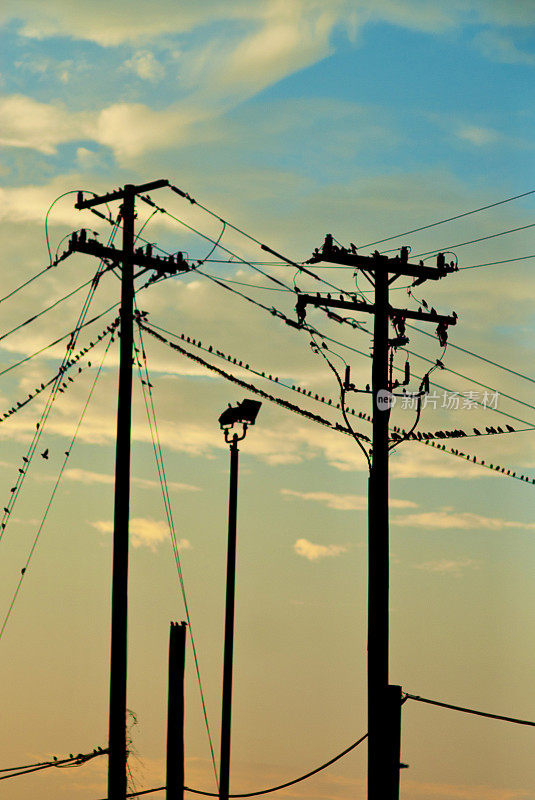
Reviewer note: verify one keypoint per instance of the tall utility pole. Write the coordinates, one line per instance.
(126, 259)
(384, 700)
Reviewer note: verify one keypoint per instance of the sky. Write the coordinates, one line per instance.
(289, 120)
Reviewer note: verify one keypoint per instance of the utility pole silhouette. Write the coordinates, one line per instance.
(384, 700)
(126, 259)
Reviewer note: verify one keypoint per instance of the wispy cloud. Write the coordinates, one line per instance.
(143, 532)
(313, 552)
(87, 477)
(499, 46)
(447, 566)
(478, 136)
(343, 502)
(462, 520)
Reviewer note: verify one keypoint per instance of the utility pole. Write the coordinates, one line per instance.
(383, 717)
(175, 713)
(126, 259)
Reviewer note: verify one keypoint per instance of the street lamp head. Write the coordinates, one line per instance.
(244, 413)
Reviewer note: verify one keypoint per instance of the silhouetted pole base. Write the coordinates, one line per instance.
(226, 711)
(175, 712)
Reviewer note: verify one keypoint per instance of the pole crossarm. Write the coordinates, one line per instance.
(170, 264)
(119, 194)
(399, 264)
(357, 305)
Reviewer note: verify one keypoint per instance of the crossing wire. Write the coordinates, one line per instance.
(158, 455)
(292, 387)
(272, 788)
(337, 288)
(72, 761)
(40, 425)
(450, 219)
(67, 335)
(321, 420)
(54, 490)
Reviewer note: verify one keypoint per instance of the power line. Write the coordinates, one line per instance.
(23, 471)
(313, 396)
(67, 335)
(473, 241)
(50, 307)
(321, 420)
(271, 789)
(72, 761)
(30, 280)
(469, 710)
(450, 219)
(275, 312)
(53, 493)
(60, 374)
(493, 263)
(475, 355)
(158, 455)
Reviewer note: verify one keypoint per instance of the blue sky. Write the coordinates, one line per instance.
(290, 119)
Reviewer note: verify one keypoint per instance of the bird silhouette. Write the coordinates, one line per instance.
(44, 454)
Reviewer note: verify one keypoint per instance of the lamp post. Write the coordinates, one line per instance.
(243, 414)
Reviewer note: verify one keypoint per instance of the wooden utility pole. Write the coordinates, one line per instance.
(383, 730)
(175, 713)
(126, 259)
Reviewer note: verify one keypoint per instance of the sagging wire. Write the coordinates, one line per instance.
(422, 390)
(319, 350)
(53, 203)
(72, 761)
(53, 392)
(428, 439)
(67, 335)
(37, 391)
(54, 490)
(146, 386)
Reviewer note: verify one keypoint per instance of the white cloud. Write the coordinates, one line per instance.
(343, 502)
(462, 520)
(313, 552)
(143, 532)
(146, 66)
(27, 123)
(447, 566)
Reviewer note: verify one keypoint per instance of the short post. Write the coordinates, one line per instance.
(175, 712)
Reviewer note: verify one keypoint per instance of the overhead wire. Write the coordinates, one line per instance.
(449, 219)
(74, 761)
(67, 335)
(54, 490)
(272, 788)
(474, 711)
(316, 418)
(158, 455)
(474, 241)
(53, 394)
(338, 289)
(48, 308)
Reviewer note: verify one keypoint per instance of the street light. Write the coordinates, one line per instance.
(244, 414)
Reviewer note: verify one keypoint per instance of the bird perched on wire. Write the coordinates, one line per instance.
(44, 454)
